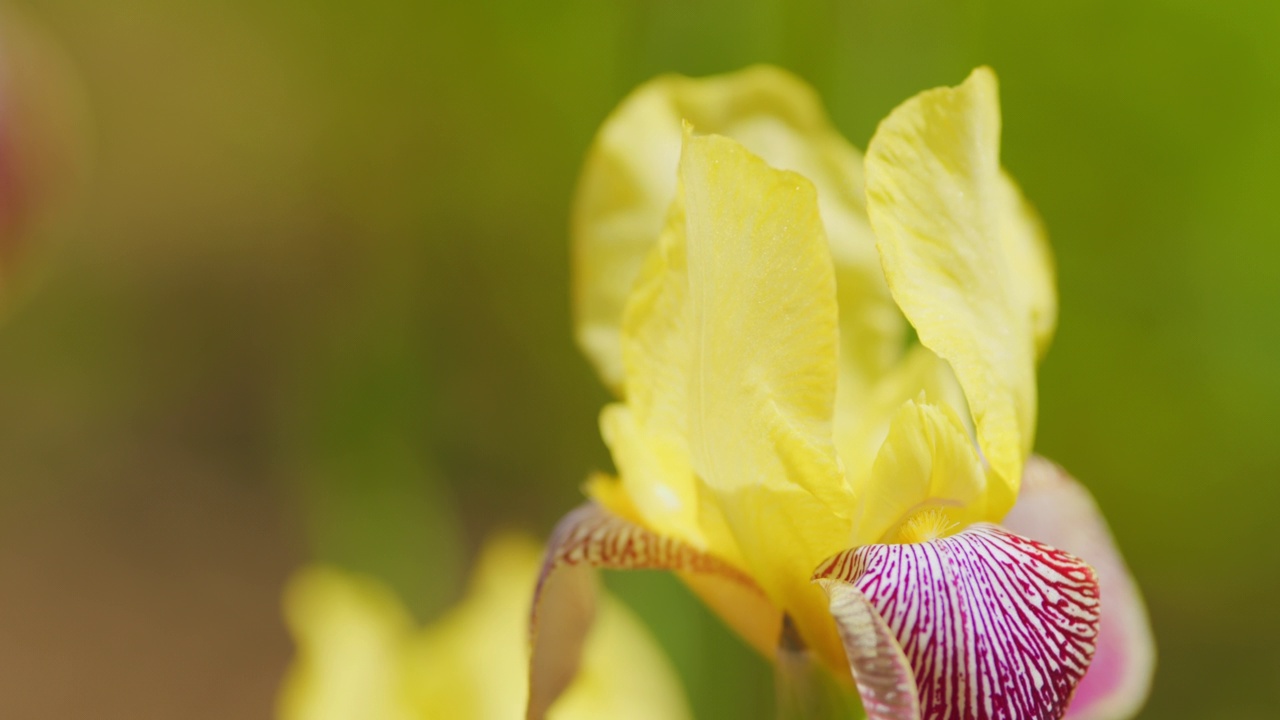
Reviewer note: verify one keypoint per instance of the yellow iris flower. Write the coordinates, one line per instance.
(745, 282)
(361, 656)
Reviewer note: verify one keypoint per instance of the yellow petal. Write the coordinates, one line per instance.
(934, 195)
(609, 493)
(859, 437)
(761, 320)
(472, 661)
(648, 436)
(752, 284)
(927, 462)
(622, 674)
(1031, 260)
(655, 473)
(351, 635)
(629, 180)
(359, 655)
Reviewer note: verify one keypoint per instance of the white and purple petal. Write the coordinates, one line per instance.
(993, 626)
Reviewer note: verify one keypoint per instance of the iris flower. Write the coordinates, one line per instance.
(826, 479)
(360, 654)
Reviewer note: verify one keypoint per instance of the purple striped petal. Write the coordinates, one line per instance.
(993, 625)
(565, 597)
(1057, 509)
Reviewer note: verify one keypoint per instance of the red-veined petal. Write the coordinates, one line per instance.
(591, 537)
(1057, 509)
(994, 626)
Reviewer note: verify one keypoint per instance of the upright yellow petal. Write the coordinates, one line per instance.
(762, 371)
(762, 323)
(648, 436)
(926, 465)
(935, 197)
(629, 180)
(859, 438)
(1031, 260)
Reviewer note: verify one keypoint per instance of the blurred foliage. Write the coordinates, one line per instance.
(324, 249)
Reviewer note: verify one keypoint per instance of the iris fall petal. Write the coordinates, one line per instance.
(993, 625)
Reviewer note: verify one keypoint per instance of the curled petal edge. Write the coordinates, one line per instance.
(882, 673)
(565, 596)
(989, 623)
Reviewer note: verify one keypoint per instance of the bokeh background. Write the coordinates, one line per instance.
(301, 294)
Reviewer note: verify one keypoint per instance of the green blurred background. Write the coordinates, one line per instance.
(311, 302)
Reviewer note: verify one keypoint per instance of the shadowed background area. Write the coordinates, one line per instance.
(308, 298)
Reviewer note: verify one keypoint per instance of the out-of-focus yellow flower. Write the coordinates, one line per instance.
(360, 655)
(747, 293)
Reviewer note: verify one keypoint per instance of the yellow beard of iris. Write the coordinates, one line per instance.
(925, 525)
